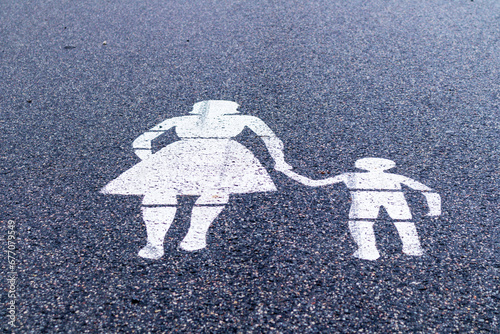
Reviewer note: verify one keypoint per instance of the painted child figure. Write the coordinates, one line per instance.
(372, 190)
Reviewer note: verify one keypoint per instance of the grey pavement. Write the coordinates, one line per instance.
(416, 82)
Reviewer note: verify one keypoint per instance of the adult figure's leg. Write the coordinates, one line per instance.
(205, 210)
(158, 212)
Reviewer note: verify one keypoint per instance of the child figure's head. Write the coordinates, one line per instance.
(375, 164)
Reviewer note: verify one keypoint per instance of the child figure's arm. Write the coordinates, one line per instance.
(434, 203)
(433, 199)
(313, 183)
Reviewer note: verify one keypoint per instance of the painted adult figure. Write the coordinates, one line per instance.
(206, 162)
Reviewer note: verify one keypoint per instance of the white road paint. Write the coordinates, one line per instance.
(362, 233)
(369, 192)
(206, 162)
(158, 221)
(201, 218)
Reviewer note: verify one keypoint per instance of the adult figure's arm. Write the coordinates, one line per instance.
(273, 143)
(142, 144)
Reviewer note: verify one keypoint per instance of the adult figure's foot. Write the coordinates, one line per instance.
(201, 218)
(192, 245)
(151, 252)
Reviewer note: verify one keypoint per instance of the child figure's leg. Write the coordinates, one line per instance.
(398, 209)
(365, 205)
(158, 220)
(409, 237)
(363, 235)
(206, 209)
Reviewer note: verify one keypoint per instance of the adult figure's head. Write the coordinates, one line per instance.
(214, 108)
(375, 164)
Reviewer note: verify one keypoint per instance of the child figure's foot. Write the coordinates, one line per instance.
(363, 235)
(151, 252)
(367, 254)
(409, 236)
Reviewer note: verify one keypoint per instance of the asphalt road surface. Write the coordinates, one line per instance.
(415, 82)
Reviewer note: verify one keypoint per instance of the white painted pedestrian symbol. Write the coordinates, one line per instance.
(369, 192)
(206, 162)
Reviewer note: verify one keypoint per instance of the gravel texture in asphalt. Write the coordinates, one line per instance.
(416, 82)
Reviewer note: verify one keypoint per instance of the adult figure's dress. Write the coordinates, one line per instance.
(206, 162)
